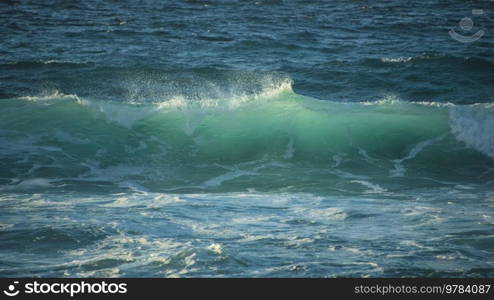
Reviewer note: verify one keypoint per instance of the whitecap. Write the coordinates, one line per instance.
(216, 248)
(474, 125)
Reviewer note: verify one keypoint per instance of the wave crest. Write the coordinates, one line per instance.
(209, 143)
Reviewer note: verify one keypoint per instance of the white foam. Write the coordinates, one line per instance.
(474, 125)
(395, 100)
(418, 211)
(216, 248)
(373, 188)
(445, 257)
(323, 214)
(297, 242)
(274, 89)
(54, 95)
(126, 114)
(28, 184)
(227, 102)
(129, 250)
(396, 59)
(427, 215)
(164, 199)
(189, 260)
(252, 238)
(387, 100)
(251, 220)
(412, 243)
(350, 249)
(150, 201)
(399, 169)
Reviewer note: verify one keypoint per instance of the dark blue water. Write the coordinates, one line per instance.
(246, 138)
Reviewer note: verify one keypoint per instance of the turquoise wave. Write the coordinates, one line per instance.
(271, 139)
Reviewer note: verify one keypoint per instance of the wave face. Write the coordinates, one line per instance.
(244, 141)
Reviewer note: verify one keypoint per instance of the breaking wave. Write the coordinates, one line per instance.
(57, 139)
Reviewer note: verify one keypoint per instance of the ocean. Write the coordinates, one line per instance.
(259, 138)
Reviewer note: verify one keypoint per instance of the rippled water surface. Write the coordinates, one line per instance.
(246, 138)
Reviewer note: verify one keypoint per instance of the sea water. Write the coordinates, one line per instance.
(245, 139)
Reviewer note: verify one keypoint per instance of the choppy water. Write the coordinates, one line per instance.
(249, 138)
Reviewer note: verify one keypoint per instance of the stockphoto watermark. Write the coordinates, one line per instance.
(64, 288)
(464, 31)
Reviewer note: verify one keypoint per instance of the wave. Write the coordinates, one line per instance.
(187, 143)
